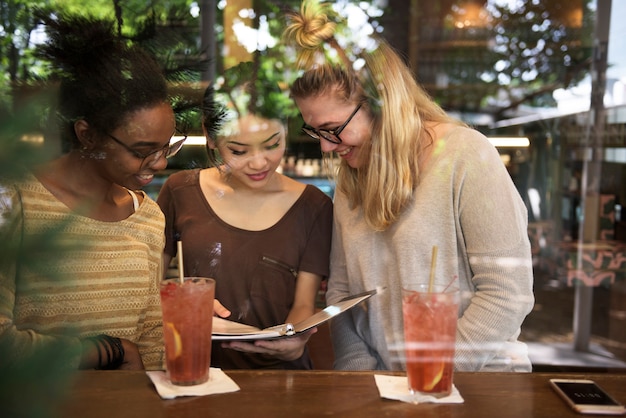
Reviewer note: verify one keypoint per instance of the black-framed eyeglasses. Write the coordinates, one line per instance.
(331, 135)
(152, 157)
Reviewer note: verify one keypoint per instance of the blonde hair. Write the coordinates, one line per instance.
(398, 108)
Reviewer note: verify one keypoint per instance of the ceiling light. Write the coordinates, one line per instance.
(509, 141)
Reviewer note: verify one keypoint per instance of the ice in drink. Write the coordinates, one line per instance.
(430, 320)
(187, 324)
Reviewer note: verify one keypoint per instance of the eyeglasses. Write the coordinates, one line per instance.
(331, 135)
(150, 158)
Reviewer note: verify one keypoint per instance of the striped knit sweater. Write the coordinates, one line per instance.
(70, 277)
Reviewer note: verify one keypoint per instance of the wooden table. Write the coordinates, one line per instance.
(280, 394)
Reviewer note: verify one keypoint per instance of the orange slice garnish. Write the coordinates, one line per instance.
(435, 379)
(178, 342)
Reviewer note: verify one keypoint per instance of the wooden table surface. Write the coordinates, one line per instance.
(114, 394)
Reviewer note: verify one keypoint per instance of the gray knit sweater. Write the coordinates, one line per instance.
(467, 205)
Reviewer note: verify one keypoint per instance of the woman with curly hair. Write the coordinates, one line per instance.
(411, 177)
(82, 285)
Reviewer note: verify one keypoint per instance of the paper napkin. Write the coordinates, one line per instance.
(397, 388)
(219, 382)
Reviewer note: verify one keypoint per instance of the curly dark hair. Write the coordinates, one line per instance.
(103, 77)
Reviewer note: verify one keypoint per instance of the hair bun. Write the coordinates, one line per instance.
(310, 29)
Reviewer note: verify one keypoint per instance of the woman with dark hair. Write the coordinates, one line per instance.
(92, 292)
(264, 237)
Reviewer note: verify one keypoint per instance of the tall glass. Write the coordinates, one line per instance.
(187, 324)
(430, 320)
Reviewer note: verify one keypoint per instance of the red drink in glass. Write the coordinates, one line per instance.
(430, 320)
(187, 324)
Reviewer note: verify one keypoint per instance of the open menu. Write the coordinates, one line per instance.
(224, 329)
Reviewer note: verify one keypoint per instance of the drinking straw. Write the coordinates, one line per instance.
(449, 284)
(181, 274)
(433, 263)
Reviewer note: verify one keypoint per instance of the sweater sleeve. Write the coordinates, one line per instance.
(21, 348)
(493, 224)
(350, 349)
(351, 352)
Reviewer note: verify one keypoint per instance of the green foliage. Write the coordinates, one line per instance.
(525, 51)
(20, 143)
(37, 389)
(166, 29)
(539, 44)
(32, 389)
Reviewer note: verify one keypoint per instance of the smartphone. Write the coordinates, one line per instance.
(586, 397)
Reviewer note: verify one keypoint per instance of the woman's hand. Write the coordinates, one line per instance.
(286, 349)
(96, 355)
(132, 358)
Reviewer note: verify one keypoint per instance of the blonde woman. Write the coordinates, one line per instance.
(411, 177)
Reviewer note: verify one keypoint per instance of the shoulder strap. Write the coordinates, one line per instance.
(135, 200)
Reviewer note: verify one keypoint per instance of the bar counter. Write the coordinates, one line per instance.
(321, 393)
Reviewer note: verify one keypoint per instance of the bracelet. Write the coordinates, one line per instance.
(117, 355)
(113, 349)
